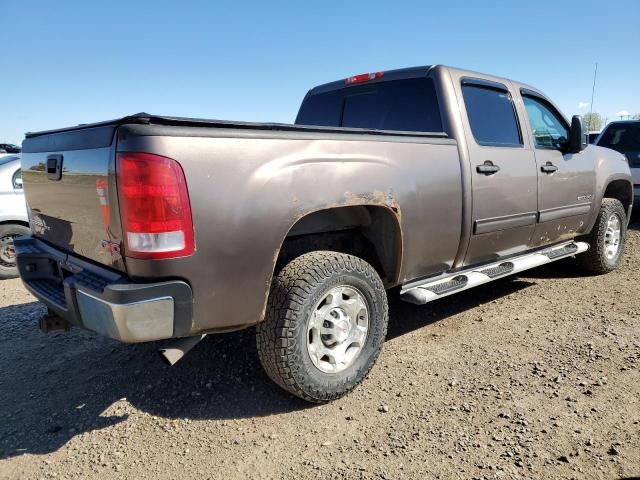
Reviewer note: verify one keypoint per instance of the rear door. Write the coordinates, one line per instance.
(503, 167)
(566, 181)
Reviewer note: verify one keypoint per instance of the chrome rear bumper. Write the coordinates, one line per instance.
(142, 321)
(101, 300)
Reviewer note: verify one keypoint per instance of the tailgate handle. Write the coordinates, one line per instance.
(54, 167)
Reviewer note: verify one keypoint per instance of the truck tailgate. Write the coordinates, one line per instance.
(70, 194)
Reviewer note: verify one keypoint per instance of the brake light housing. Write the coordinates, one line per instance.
(363, 77)
(155, 209)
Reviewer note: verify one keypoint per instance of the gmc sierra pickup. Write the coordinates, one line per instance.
(427, 180)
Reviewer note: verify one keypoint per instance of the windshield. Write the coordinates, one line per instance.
(624, 138)
(8, 158)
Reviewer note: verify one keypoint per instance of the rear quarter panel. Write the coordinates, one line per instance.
(247, 190)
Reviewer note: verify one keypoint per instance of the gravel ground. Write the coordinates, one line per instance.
(536, 376)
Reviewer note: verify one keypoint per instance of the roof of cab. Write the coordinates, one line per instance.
(396, 74)
(412, 72)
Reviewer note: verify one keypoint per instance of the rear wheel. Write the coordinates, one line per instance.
(8, 267)
(325, 325)
(606, 240)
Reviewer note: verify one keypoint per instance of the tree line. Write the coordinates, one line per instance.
(593, 121)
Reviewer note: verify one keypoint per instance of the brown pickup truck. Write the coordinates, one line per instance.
(427, 181)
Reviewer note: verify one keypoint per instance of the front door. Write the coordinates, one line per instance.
(504, 183)
(566, 181)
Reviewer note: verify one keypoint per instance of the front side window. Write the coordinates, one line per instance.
(492, 116)
(548, 127)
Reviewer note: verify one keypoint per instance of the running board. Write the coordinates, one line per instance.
(428, 290)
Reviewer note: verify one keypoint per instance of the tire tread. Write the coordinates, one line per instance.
(289, 288)
(593, 259)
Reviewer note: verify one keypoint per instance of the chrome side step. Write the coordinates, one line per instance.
(502, 269)
(456, 283)
(431, 289)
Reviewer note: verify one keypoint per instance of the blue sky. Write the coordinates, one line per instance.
(69, 62)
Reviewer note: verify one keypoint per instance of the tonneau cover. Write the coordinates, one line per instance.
(149, 119)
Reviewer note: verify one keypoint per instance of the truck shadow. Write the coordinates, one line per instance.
(56, 387)
(565, 268)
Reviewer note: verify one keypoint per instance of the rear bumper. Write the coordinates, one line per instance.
(101, 300)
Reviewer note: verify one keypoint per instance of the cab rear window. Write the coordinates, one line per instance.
(403, 105)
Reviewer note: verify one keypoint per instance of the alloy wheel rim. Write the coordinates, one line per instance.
(7, 251)
(612, 236)
(337, 329)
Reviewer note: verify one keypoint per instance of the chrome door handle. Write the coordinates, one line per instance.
(487, 168)
(548, 168)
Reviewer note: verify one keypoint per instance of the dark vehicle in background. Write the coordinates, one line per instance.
(9, 148)
(13, 213)
(427, 180)
(592, 136)
(624, 137)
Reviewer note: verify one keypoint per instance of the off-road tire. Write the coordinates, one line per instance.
(9, 269)
(282, 336)
(595, 260)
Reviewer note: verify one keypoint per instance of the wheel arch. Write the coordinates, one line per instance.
(612, 181)
(621, 190)
(371, 232)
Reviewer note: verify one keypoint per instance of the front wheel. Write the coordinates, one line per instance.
(606, 240)
(8, 267)
(325, 325)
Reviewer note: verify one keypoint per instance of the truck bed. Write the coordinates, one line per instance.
(246, 181)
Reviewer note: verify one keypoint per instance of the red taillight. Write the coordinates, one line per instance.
(363, 77)
(154, 206)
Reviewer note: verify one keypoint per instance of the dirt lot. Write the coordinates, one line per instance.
(532, 377)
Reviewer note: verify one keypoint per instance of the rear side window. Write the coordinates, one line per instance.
(405, 105)
(492, 116)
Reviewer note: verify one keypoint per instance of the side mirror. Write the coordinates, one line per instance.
(576, 137)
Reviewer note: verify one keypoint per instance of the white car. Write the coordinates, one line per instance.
(13, 213)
